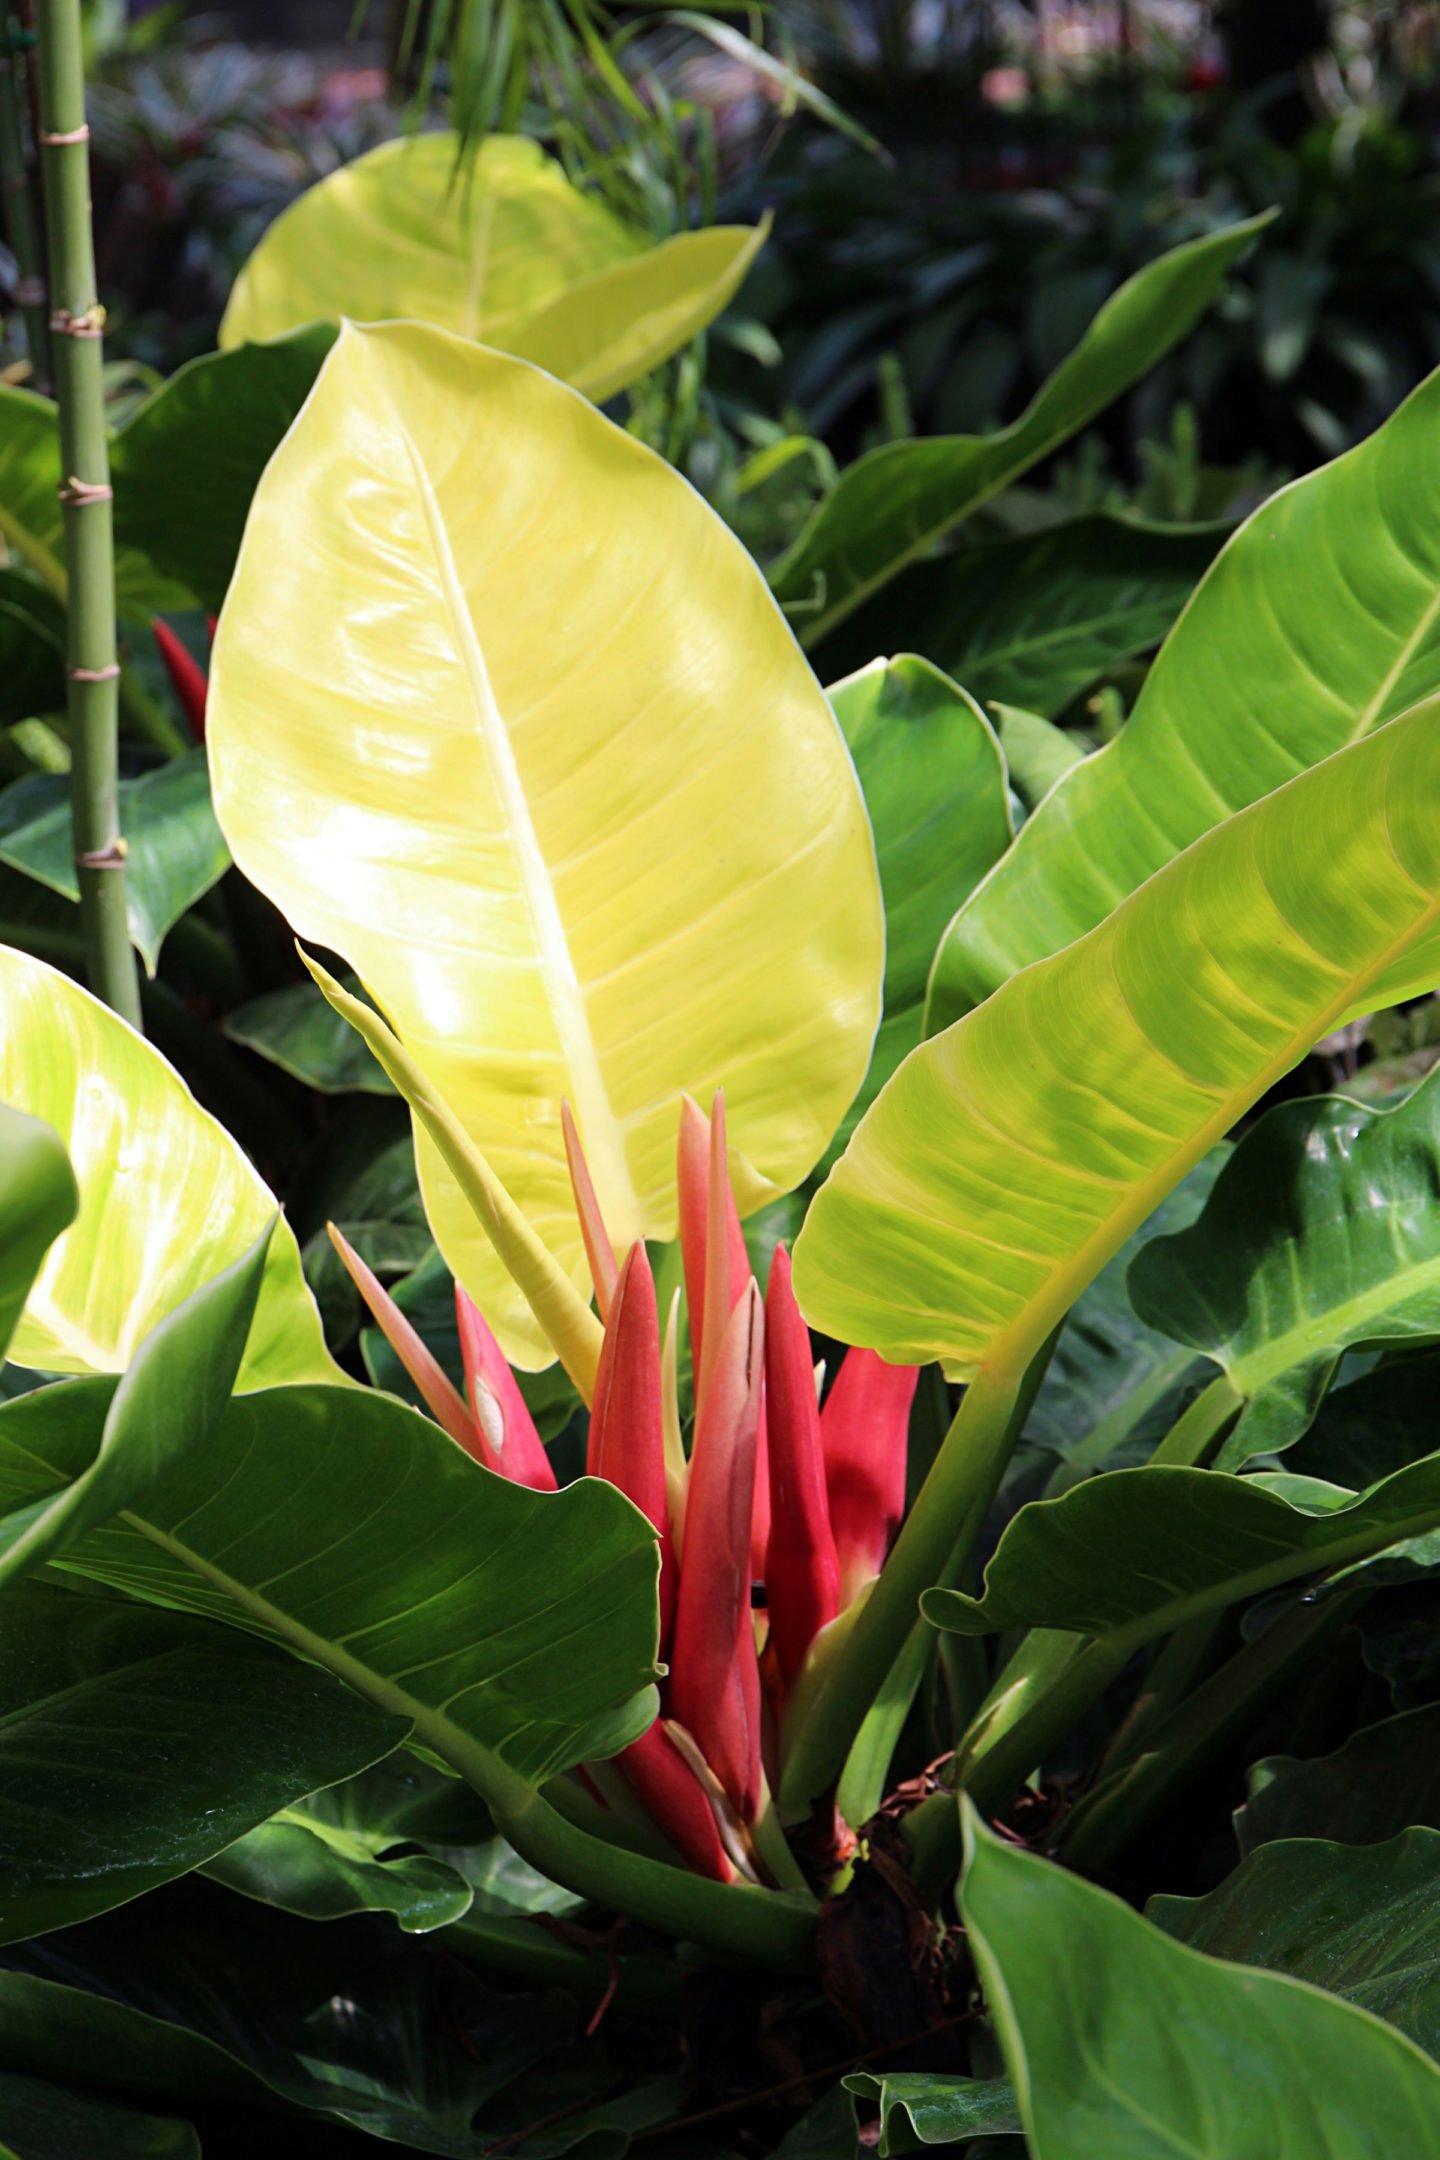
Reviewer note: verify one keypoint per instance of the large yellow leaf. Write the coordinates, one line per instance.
(502, 249)
(1010, 1156)
(167, 1199)
(503, 713)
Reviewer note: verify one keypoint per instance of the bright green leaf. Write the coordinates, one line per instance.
(174, 848)
(935, 787)
(1318, 624)
(38, 1201)
(1036, 752)
(310, 1867)
(1011, 1156)
(1322, 1233)
(889, 508)
(585, 804)
(1123, 2043)
(1360, 1921)
(167, 1200)
(1136, 1553)
(920, 2108)
(30, 516)
(135, 1743)
(501, 247)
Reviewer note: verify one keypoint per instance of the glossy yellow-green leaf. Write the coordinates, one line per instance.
(503, 713)
(1009, 1157)
(501, 248)
(167, 1200)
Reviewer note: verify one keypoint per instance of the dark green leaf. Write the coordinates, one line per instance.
(310, 1867)
(826, 2132)
(1374, 1425)
(298, 1031)
(175, 851)
(1360, 1921)
(135, 1743)
(32, 647)
(891, 507)
(186, 465)
(516, 1627)
(45, 2122)
(38, 1199)
(1385, 1778)
(1322, 1233)
(917, 2109)
(1135, 1553)
(1032, 621)
(935, 787)
(1124, 2044)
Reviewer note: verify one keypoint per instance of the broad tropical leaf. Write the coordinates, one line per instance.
(1138, 1552)
(40, 2121)
(514, 1628)
(602, 838)
(1031, 621)
(893, 504)
(135, 1744)
(1318, 624)
(1360, 1921)
(295, 1029)
(306, 1865)
(38, 1201)
(167, 1200)
(1385, 1778)
(1011, 1156)
(30, 517)
(935, 786)
(186, 463)
(32, 647)
(174, 849)
(919, 2108)
(501, 248)
(1125, 2043)
(1321, 1234)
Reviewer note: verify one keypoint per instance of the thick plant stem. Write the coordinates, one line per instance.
(948, 1509)
(1191, 1437)
(92, 666)
(22, 226)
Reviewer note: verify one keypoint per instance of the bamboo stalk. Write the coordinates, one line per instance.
(22, 226)
(92, 666)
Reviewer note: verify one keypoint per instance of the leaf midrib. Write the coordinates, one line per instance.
(1300, 1344)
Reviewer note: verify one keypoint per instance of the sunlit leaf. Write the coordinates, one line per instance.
(891, 506)
(167, 1200)
(1125, 2043)
(601, 837)
(1318, 624)
(502, 248)
(1009, 1157)
(1321, 1234)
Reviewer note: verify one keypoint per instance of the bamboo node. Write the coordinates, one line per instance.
(81, 494)
(59, 141)
(94, 674)
(110, 857)
(90, 322)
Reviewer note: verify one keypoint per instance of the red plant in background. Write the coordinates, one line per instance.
(188, 679)
(775, 1490)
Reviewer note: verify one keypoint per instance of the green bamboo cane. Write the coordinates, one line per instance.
(92, 668)
(21, 223)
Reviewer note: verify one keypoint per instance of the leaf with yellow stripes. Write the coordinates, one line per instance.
(504, 714)
(501, 247)
(1009, 1157)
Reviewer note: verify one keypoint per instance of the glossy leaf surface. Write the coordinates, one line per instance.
(1319, 623)
(38, 1201)
(322, 1872)
(918, 2109)
(1322, 1233)
(174, 848)
(604, 841)
(134, 1744)
(935, 786)
(1011, 1156)
(167, 1200)
(1032, 620)
(30, 517)
(1361, 1921)
(1384, 1778)
(891, 506)
(444, 1593)
(501, 248)
(1164, 2050)
(1134, 1554)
